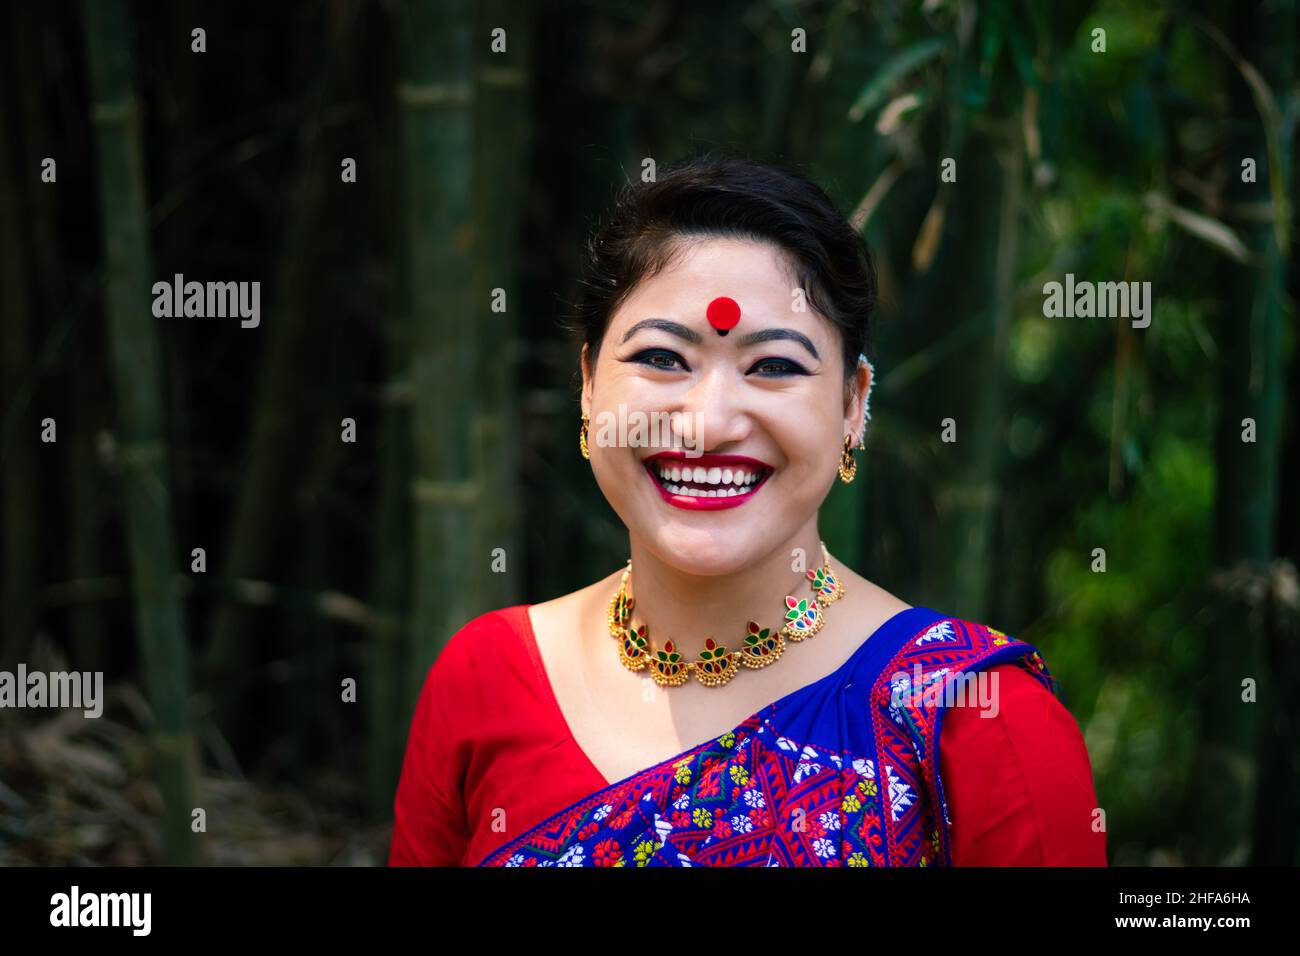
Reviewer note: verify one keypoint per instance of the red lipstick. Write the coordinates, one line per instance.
(747, 476)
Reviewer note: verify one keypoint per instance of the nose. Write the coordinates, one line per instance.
(715, 407)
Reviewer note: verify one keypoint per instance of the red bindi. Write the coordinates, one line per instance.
(723, 314)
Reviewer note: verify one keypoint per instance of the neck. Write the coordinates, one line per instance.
(688, 608)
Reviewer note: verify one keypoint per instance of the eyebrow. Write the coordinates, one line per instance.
(749, 338)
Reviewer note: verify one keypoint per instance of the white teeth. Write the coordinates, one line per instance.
(704, 493)
(730, 481)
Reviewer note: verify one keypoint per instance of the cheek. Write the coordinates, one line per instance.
(807, 436)
(631, 392)
(615, 466)
(612, 478)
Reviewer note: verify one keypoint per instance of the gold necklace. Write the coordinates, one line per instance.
(717, 665)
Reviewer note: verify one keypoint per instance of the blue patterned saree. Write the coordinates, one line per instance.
(842, 772)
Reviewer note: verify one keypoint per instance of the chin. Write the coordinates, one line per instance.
(701, 552)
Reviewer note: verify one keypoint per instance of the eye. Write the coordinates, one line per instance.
(659, 358)
(779, 368)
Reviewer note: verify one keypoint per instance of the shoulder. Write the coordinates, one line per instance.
(478, 661)
(1018, 777)
(976, 635)
(1014, 683)
(937, 647)
(487, 635)
(1016, 706)
(492, 625)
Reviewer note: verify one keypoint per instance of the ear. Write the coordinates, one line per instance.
(586, 380)
(855, 412)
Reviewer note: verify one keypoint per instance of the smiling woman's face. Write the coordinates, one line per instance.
(769, 415)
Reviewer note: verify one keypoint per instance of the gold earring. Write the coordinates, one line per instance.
(848, 464)
(582, 438)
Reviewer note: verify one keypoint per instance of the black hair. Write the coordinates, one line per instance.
(728, 197)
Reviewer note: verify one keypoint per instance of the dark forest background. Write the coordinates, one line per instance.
(480, 169)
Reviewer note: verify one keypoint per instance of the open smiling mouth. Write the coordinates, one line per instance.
(706, 482)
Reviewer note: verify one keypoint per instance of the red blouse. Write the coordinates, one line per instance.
(488, 734)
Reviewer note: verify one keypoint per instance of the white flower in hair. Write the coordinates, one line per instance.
(866, 399)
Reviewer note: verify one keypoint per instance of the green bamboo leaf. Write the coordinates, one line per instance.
(994, 23)
(1023, 58)
(1202, 227)
(991, 39)
(874, 93)
(891, 117)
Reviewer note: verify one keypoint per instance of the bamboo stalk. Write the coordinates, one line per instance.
(501, 135)
(1241, 776)
(436, 97)
(137, 379)
(977, 525)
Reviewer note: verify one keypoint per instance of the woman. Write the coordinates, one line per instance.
(735, 695)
